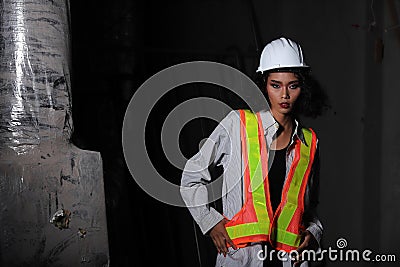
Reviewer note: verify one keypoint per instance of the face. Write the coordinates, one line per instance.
(283, 89)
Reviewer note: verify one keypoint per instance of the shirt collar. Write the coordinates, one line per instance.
(269, 121)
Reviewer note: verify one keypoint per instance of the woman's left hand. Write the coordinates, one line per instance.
(309, 243)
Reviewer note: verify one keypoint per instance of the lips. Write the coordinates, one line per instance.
(284, 105)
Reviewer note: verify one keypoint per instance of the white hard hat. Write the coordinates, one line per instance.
(281, 53)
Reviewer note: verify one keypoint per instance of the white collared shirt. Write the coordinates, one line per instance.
(223, 147)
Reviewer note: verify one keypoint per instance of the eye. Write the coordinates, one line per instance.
(275, 85)
(294, 86)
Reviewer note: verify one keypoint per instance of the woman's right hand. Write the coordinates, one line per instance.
(220, 237)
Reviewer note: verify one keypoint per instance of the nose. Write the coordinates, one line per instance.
(285, 93)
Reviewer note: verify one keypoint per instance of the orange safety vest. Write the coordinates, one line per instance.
(256, 221)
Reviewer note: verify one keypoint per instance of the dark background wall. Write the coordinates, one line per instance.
(117, 45)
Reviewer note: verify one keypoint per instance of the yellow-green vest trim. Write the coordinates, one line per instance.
(255, 221)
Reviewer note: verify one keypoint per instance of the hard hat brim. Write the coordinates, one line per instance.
(283, 68)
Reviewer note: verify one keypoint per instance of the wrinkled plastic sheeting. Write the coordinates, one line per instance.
(52, 205)
(34, 71)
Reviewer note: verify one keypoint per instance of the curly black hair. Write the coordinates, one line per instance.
(312, 101)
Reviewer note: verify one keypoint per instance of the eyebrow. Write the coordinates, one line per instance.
(291, 82)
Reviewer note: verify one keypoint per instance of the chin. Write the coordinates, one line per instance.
(285, 111)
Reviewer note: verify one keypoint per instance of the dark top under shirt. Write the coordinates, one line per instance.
(276, 176)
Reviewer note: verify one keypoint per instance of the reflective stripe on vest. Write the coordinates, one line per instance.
(254, 224)
(255, 221)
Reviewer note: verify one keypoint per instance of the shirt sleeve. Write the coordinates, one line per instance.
(196, 176)
(310, 217)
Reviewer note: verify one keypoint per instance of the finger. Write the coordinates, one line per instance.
(302, 247)
(230, 242)
(221, 246)
(304, 244)
(224, 248)
(217, 245)
(298, 261)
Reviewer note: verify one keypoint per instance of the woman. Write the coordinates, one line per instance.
(272, 208)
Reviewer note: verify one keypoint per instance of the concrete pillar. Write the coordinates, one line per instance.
(52, 207)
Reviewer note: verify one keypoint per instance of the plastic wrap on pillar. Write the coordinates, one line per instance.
(52, 207)
(35, 76)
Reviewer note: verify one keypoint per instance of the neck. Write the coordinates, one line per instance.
(285, 121)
